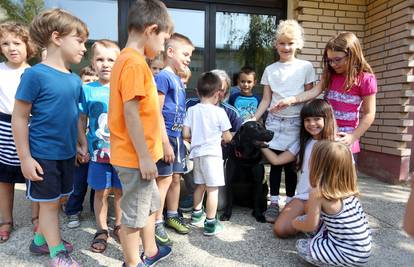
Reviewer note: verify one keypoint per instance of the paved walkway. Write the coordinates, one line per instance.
(243, 243)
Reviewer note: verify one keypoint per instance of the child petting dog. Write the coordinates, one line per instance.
(206, 125)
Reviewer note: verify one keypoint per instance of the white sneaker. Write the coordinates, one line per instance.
(73, 220)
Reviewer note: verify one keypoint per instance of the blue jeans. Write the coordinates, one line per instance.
(80, 187)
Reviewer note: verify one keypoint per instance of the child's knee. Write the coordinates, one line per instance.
(280, 229)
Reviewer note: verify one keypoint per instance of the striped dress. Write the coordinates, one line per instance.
(8, 154)
(345, 238)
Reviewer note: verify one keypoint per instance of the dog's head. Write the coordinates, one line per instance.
(254, 133)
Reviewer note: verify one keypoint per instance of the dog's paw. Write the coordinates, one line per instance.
(225, 217)
(259, 217)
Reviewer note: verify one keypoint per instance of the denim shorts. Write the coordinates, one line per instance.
(178, 166)
(57, 180)
(102, 176)
(286, 131)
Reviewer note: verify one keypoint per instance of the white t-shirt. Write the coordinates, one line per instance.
(207, 123)
(303, 186)
(288, 79)
(9, 81)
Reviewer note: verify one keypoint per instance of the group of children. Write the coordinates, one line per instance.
(129, 136)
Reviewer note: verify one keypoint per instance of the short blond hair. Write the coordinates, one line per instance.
(57, 20)
(105, 43)
(332, 170)
(290, 28)
(21, 31)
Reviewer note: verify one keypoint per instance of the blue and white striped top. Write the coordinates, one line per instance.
(346, 239)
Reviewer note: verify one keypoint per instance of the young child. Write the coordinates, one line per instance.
(17, 48)
(245, 101)
(50, 93)
(343, 237)
(88, 75)
(135, 124)
(317, 123)
(206, 125)
(349, 85)
(156, 65)
(101, 175)
(286, 77)
(74, 205)
(171, 92)
(185, 76)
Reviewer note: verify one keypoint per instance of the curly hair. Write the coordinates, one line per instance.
(292, 29)
(21, 31)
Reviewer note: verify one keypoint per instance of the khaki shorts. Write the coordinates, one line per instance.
(208, 170)
(140, 198)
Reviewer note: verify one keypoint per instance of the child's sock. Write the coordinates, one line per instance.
(197, 212)
(159, 221)
(55, 250)
(274, 199)
(39, 239)
(208, 220)
(288, 199)
(171, 214)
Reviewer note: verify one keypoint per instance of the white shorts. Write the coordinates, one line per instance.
(286, 131)
(208, 170)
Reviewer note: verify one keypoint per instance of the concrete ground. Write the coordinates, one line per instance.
(243, 243)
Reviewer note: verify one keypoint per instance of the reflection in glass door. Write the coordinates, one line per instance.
(244, 39)
(182, 19)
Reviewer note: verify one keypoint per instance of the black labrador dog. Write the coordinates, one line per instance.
(244, 166)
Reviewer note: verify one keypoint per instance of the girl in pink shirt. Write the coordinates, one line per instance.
(349, 85)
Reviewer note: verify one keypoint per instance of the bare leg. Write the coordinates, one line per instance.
(130, 237)
(283, 226)
(117, 204)
(49, 222)
(6, 205)
(198, 196)
(163, 184)
(211, 203)
(35, 216)
(148, 237)
(173, 194)
(101, 214)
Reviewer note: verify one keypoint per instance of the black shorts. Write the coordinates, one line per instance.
(57, 180)
(11, 174)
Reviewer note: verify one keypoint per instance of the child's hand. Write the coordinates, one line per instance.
(31, 169)
(148, 168)
(168, 153)
(282, 104)
(345, 138)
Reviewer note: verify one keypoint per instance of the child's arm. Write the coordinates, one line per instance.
(168, 150)
(186, 133)
(82, 147)
(300, 98)
(311, 221)
(264, 103)
(227, 136)
(409, 213)
(136, 132)
(31, 169)
(368, 116)
(280, 159)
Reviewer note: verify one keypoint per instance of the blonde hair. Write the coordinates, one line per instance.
(56, 20)
(348, 43)
(290, 28)
(105, 43)
(332, 170)
(21, 31)
(186, 74)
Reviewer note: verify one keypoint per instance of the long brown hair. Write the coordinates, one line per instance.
(315, 108)
(332, 170)
(348, 43)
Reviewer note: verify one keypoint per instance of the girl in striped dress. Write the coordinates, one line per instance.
(343, 237)
(17, 49)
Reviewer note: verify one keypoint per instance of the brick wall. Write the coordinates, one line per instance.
(386, 31)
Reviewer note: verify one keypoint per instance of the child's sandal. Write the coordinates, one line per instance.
(101, 241)
(35, 222)
(115, 233)
(5, 234)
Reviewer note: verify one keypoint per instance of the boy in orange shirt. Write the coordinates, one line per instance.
(135, 130)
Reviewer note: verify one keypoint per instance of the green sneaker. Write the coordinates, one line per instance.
(212, 228)
(161, 235)
(177, 224)
(197, 219)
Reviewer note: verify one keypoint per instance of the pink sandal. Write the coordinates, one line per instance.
(5, 234)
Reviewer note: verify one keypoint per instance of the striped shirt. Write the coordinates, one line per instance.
(346, 240)
(8, 154)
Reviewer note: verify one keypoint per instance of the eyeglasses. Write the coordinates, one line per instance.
(335, 60)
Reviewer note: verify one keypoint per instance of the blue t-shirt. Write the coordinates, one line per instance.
(170, 85)
(95, 107)
(55, 98)
(246, 105)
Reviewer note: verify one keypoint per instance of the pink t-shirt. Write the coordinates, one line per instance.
(346, 105)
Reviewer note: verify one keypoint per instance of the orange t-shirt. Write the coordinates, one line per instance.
(132, 78)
